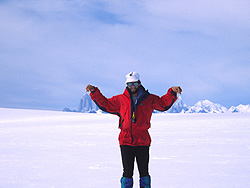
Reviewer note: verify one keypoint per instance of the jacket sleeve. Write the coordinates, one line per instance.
(166, 101)
(111, 105)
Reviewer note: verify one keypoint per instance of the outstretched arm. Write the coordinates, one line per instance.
(111, 105)
(166, 101)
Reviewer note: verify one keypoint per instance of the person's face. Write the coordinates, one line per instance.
(133, 87)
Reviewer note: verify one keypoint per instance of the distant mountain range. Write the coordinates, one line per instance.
(86, 105)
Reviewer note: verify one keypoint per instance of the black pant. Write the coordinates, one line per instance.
(129, 153)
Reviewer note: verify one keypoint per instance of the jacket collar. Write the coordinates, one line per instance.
(142, 94)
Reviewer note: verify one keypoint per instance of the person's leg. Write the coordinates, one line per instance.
(128, 157)
(142, 159)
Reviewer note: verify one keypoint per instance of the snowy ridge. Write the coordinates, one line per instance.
(86, 105)
(207, 106)
(240, 109)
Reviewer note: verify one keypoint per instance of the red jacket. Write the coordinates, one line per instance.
(134, 119)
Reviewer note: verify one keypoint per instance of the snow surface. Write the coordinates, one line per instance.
(45, 149)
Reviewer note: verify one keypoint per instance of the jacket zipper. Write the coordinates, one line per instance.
(132, 138)
(133, 120)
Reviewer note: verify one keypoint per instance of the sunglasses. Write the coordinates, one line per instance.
(133, 83)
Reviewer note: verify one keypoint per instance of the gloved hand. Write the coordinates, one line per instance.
(177, 89)
(90, 88)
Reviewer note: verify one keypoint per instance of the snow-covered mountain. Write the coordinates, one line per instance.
(86, 105)
(240, 109)
(207, 106)
(179, 106)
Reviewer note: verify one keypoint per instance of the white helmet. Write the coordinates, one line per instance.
(132, 77)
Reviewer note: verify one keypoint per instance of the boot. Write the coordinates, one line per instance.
(126, 182)
(145, 182)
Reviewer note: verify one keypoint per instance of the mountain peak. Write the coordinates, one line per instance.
(178, 107)
(240, 108)
(206, 106)
(87, 105)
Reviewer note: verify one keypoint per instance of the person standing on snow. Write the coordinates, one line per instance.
(134, 107)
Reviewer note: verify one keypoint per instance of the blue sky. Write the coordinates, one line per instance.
(50, 50)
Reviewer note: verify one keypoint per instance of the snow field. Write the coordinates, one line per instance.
(46, 149)
(201, 150)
